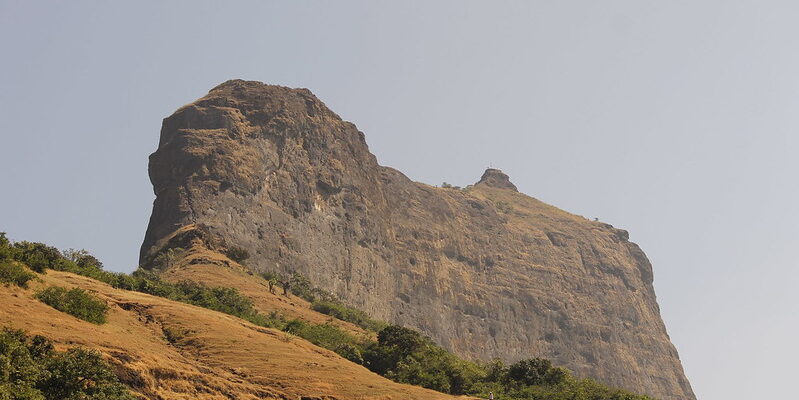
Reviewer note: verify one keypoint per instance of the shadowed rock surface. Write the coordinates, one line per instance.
(486, 271)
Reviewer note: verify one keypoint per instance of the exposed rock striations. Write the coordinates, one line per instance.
(486, 271)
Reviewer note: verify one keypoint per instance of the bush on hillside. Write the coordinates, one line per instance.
(31, 369)
(328, 336)
(405, 356)
(166, 258)
(12, 273)
(301, 287)
(226, 300)
(237, 254)
(76, 302)
(337, 310)
(38, 256)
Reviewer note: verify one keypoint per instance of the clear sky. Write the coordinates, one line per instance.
(675, 120)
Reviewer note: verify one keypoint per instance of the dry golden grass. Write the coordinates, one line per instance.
(210, 355)
(256, 289)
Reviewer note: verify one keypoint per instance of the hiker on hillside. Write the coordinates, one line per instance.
(272, 282)
(490, 395)
(286, 287)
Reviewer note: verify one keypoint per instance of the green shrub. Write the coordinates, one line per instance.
(237, 254)
(534, 371)
(7, 251)
(82, 258)
(226, 300)
(330, 337)
(31, 369)
(405, 356)
(12, 273)
(38, 256)
(76, 302)
(174, 334)
(301, 287)
(344, 313)
(350, 352)
(324, 335)
(271, 276)
(166, 258)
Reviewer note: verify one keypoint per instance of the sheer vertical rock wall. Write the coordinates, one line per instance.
(486, 271)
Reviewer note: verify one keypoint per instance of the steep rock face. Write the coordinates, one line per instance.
(486, 271)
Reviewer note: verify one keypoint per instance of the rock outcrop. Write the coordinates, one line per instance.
(485, 271)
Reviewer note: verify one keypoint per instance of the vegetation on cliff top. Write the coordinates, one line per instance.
(400, 354)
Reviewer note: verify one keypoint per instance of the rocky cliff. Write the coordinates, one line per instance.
(486, 271)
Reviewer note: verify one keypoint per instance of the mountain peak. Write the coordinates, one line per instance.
(497, 179)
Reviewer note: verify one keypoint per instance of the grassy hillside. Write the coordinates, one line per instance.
(243, 339)
(167, 349)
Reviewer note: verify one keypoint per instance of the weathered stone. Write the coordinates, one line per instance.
(496, 179)
(486, 271)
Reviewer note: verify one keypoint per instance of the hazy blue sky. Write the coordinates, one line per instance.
(675, 120)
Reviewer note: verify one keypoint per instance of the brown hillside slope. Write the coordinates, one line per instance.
(200, 264)
(217, 356)
(486, 272)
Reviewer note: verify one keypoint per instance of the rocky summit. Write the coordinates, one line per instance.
(485, 271)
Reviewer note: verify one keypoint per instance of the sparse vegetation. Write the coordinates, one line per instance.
(336, 309)
(323, 302)
(446, 185)
(503, 207)
(174, 334)
(237, 254)
(31, 369)
(301, 287)
(166, 257)
(76, 302)
(298, 285)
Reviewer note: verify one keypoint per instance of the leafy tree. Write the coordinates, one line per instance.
(405, 341)
(530, 372)
(394, 344)
(83, 258)
(166, 258)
